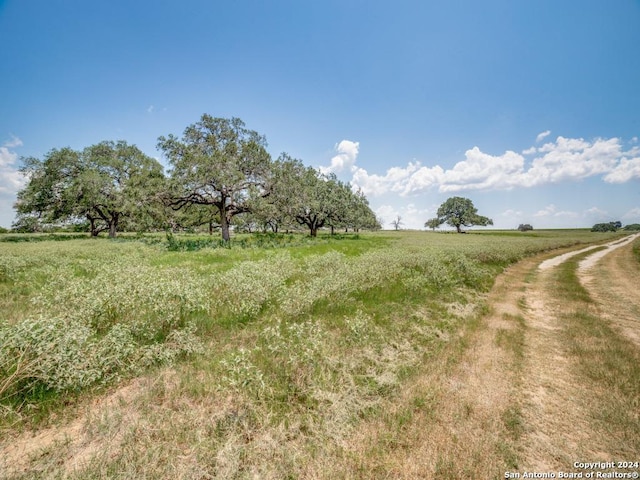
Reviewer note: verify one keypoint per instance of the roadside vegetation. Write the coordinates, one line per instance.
(258, 359)
(606, 361)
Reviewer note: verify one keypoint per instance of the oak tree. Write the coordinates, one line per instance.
(459, 212)
(102, 184)
(217, 162)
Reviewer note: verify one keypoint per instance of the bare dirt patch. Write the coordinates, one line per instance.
(96, 429)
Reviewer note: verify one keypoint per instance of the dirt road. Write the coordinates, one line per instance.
(554, 398)
(516, 401)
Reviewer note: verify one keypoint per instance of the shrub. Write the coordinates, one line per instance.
(605, 227)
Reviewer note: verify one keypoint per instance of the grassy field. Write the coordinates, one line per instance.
(255, 361)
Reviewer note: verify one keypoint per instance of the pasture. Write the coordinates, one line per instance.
(265, 359)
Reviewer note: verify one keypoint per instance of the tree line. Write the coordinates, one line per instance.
(220, 175)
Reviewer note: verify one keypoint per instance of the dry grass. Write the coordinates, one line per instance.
(418, 374)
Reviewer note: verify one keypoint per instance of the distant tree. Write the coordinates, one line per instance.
(102, 185)
(277, 210)
(217, 162)
(432, 223)
(524, 227)
(605, 227)
(302, 195)
(459, 212)
(397, 222)
(319, 201)
(359, 214)
(27, 223)
(632, 227)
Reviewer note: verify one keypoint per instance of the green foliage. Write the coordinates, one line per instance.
(94, 320)
(606, 227)
(304, 196)
(89, 312)
(100, 185)
(432, 223)
(218, 163)
(56, 237)
(525, 227)
(459, 212)
(632, 227)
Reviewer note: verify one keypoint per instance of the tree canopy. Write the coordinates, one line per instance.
(301, 195)
(606, 227)
(432, 223)
(102, 184)
(217, 162)
(220, 174)
(459, 212)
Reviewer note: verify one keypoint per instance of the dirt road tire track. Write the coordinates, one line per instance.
(556, 400)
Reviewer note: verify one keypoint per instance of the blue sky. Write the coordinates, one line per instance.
(529, 108)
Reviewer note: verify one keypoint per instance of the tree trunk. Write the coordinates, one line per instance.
(314, 231)
(113, 224)
(224, 226)
(210, 227)
(94, 230)
(332, 230)
(459, 229)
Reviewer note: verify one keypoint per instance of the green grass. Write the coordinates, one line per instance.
(636, 250)
(607, 361)
(307, 337)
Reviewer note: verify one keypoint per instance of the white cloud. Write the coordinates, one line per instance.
(624, 171)
(150, 109)
(546, 211)
(14, 142)
(511, 213)
(345, 159)
(7, 157)
(394, 179)
(566, 213)
(412, 217)
(632, 216)
(572, 159)
(552, 211)
(420, 179)
(542, 136)
(563, 160)
(481, 171)
(595, 211)
(11, 180)
(385, 214)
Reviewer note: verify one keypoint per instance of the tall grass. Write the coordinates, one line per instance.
(280, 352)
